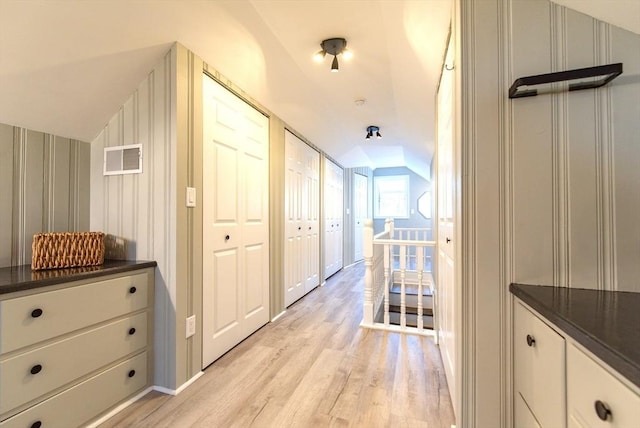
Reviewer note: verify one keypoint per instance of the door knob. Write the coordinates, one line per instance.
(299, 227)
(448, 240)
(309, 227)
(530, 340)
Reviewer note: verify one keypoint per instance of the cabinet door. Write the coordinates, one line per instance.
(589, 383)
(539, 368)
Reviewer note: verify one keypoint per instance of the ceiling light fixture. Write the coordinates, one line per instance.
(335, 47)
(370, 130)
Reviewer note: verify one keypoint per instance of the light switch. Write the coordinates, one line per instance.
(191, 196)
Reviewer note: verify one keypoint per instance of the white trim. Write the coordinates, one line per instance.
(352, 264)
(181, 388)
(119, 408)
(278, 316)
(392, 328)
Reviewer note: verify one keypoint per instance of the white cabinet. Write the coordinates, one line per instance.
(558, 384)
(72, 351)
(539, 354)
(595, 397)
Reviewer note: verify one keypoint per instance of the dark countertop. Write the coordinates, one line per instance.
(607, 323)
(21, 278)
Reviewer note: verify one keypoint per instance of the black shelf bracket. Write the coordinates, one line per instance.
(595, 77)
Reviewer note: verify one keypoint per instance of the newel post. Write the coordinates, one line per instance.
(388, 227)
(367, 252)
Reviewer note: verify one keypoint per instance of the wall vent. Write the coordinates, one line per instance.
(123, 160)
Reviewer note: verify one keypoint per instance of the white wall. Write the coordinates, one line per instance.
(550, 184)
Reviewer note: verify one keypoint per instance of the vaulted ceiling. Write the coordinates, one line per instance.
(67, 65)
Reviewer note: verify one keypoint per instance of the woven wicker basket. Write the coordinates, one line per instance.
(62, 250)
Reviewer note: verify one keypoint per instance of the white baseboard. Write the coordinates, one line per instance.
(353, 264)
(278, 316)
(180, 389)
(119, 408)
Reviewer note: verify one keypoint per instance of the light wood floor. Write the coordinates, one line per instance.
(313, 367)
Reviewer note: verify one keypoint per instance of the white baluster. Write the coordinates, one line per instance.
(367, 252)
(403, 297)
(419, 256)
(387, 269)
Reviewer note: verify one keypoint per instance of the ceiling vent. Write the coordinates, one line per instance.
(120, 160)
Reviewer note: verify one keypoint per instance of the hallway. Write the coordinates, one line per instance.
(313, 367)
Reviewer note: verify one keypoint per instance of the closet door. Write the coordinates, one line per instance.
(235, 220)
(333, 203)
(293, 200)
(302, 244)
(311, 210)
(360, 204)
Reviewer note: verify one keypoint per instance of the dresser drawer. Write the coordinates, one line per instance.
(82, 403)
(59, 363)
(539, 373)
(523, 416)
(45, 315)
(588, 383)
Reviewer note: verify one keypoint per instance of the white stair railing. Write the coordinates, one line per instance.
(383, 271)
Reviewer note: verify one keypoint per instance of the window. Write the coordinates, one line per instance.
(391, 196)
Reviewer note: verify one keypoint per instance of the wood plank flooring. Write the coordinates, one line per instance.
(313, 367)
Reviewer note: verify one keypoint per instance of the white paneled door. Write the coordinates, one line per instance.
(302, 205)
(447, 291)
(360, 204)
(235, 203)
(333, 217)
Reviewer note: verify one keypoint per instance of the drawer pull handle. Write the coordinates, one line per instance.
(36, 313)
(36, 424)
(132, 331)
(132, 290)
(227, 237)
(530, 340)
(132, 373)
(602, 410)
(36, 369)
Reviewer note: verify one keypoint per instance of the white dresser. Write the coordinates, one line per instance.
(72, 351)
(558, 382)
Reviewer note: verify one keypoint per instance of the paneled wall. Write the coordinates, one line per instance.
(43, 188)
(146, 212)
(576, 184)
(550, 184)
(138, 210)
